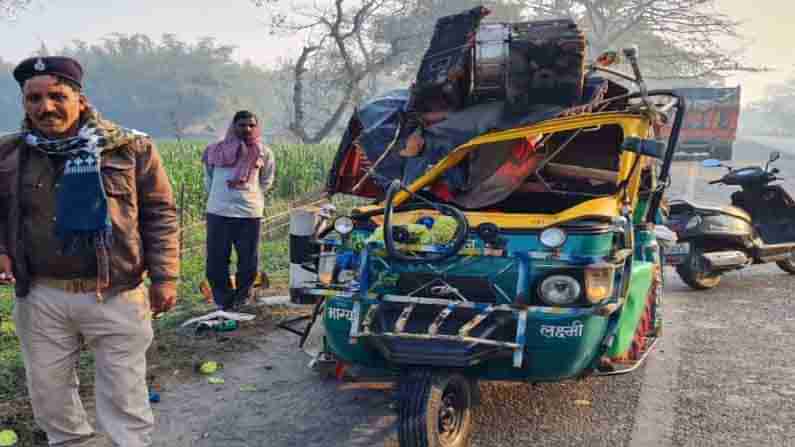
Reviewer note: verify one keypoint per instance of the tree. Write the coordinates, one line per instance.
(43, 50)
(153, 85)
(165, 87)
(10, 100)
(9, 9)
(342, 49)
(773, 115)
(681, 39)
(351, 46)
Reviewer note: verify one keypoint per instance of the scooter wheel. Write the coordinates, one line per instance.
(692, 272)
(788, 265)
(436, 409)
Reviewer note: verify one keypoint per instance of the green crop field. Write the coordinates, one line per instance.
(301, 169)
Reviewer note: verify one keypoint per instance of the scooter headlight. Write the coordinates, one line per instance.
(343, 225)
(552, 237)
(559, 290)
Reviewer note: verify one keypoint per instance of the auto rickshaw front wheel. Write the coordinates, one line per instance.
(693, 273)
(436, 409)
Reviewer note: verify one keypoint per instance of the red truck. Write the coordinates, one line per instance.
(710, 126)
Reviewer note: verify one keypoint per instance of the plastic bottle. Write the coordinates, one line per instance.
(226, 326)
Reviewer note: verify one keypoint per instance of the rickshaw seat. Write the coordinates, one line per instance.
(565, 170)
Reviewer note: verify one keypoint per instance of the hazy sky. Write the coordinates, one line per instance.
(768, 27)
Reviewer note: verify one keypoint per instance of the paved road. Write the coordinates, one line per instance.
(723, 376)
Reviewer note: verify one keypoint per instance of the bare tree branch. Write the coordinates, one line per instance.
(343, 50)
(692, 29)
(297, 124)
(9, 9)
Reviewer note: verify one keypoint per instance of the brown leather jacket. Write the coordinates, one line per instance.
(140, 203)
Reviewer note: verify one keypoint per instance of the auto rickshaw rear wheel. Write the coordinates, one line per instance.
(436, 409)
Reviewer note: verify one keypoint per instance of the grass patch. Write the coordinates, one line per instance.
(12, 371)
(300, 169)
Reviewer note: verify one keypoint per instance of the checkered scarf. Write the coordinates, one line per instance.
(82, 219)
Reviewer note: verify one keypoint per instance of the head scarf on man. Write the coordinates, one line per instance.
(233, 152)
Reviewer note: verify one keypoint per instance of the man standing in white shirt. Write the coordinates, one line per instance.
(239, 171)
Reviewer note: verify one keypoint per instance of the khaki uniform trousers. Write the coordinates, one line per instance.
(50, 323)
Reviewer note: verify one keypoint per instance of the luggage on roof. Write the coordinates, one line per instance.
(524, 64)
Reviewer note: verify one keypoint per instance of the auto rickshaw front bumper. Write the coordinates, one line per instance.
(502, 342)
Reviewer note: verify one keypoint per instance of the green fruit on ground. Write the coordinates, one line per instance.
(208, 368)
(8, 438)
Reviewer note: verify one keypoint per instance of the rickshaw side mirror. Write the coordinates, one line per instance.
(607, 59)
(631, 52)
(711, 163)
(649, 148)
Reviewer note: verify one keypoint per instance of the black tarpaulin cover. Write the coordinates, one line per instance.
(381, 124)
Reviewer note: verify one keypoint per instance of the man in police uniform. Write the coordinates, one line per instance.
(86, 213)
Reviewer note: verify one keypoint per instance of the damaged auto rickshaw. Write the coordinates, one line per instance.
(508, 239)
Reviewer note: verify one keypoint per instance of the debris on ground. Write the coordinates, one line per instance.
(219, 320)
(208, 368)
(154, 397)
(8, 438)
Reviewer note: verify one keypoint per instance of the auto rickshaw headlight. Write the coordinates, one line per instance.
(599, 280)
(343, 225)
(552, 237)
(559, 290)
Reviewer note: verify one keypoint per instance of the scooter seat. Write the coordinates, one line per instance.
(677, 205)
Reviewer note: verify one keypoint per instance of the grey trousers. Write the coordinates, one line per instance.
(49, 324)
